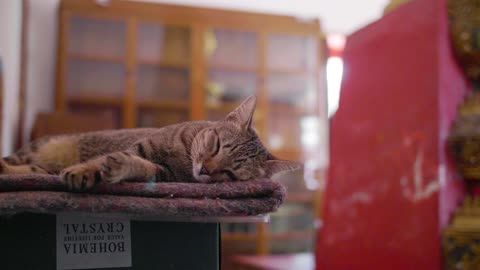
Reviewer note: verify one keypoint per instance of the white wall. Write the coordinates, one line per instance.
(41, 57)
(338, 16)
(10, 35)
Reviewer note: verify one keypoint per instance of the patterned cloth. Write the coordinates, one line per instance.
(46, 194)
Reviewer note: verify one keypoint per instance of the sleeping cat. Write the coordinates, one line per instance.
(201, 151)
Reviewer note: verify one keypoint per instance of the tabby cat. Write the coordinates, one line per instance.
(202, 151)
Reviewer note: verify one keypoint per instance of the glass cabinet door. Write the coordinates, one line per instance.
(163, 82)
(293, 132)
(96, 57)
(96, 74)
(232, 70)
(293, 92)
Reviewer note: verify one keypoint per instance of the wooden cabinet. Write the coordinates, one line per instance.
(152, 65)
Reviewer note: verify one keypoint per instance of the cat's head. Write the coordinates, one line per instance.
(230, 150)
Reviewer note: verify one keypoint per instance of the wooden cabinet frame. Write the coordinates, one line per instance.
(197, 20)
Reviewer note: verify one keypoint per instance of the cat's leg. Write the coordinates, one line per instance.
(110, 168)
(19, 163)
(47, 155)
(120, 166)
(8, 168)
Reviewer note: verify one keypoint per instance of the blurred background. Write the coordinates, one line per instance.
(80, 65)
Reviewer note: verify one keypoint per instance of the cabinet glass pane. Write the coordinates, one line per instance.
(227, 48)
(92, 37)
(225, 86)
(293, 101)
(284, 128)
(291, 229)
(160, 118)
(226, 90)
(95, 78)
(164, 63)
(297, 91)
(287, 52)
(163, 44)
(232, 58)
(163, 83)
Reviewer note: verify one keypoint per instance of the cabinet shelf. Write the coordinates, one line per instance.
(165, 63)
(97, 58)
(233, 68)
(168, 105)
(95, 100)
(224, 106)
(251, 69)
(293, 235)
(290, 109)
(121, 60)
(293, 72)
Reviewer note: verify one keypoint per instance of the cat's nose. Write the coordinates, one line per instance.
(204, 170)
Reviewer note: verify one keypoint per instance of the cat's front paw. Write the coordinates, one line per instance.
(115, 168)
(80, 177)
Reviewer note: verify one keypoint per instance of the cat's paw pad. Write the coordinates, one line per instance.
(114, 169)
(80, 177)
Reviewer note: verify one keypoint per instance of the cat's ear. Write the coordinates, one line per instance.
(280, 166)
(242, 116)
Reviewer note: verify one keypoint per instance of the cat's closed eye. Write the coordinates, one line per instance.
(217, 147)
(214, 144)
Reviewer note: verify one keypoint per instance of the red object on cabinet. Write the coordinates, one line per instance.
(392, 187)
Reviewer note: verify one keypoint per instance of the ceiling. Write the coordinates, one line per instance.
(337, 16)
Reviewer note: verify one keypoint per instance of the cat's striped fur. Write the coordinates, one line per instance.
(201, 151)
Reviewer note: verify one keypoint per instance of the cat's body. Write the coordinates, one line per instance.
(201, 151)
(162, 146)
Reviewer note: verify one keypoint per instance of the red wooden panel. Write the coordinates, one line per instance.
(391, 187)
